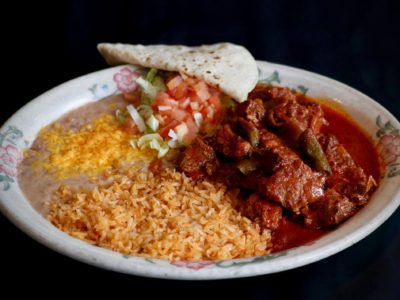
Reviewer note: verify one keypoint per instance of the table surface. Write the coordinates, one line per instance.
(356, 43)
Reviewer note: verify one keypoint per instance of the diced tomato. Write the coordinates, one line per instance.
(193, 96)
(215, 102)
(174, 82)
(190, 81)
(181, 91)
(192, 131)
(214, 92)
(163, 99)
(184, 103)
(177, 106)
(175, 114)
(194, 106)
(201, 89)
(171, 93)
(165, 130)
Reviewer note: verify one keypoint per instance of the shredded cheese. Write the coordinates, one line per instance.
(96, 147)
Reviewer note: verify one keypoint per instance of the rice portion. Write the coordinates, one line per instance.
(161, 215)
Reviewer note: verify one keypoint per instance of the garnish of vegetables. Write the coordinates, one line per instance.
(172, 111)
(310, 146)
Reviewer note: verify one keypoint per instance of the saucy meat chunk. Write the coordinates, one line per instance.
(270, 94)
(291, 182)
(230, 144)
(332, 209)
(266, 213)
(285, 112)
(272, 148)
(347, 177)
(292, 185)
(295, 116)
(252, 111)
(198, 160)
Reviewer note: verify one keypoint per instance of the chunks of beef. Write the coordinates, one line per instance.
(347, 187)
(251, 111)
(230, 144)
(260, 148)
(347, 177)
(270, 94)
(283, 177)
(295, 116)
(198, 160)
(230, 175)
(293, 185)
(285, 112)
(332, 209)
(266, 213)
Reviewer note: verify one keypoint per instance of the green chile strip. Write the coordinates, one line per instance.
(311, 147)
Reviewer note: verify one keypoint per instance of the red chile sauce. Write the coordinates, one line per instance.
(291, 234)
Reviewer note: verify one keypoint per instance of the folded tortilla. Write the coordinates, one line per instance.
(229, 67)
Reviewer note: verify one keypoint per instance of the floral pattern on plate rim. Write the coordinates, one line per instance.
(225, 263)
(388, 146)
(10, 155)
(125, 82)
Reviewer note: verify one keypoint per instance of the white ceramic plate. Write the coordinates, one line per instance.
(21, 129)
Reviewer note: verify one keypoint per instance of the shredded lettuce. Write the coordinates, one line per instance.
(159, 83)
(151, 85)
(151, 74)
(153, 141)
(149, 91)
(145, 111)
(153, 123)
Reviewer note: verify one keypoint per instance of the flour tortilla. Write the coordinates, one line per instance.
(230, 68)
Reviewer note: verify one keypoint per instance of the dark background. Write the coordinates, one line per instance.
(356, 42)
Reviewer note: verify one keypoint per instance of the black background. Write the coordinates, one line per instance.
(356, 42)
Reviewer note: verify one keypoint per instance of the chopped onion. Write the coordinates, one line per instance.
(172, 135)
(162, 151)
(181, 130)
(164, 107)
(194, 105)
(173, 143)
(198, 118)
(210, 112)
(136, 118)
